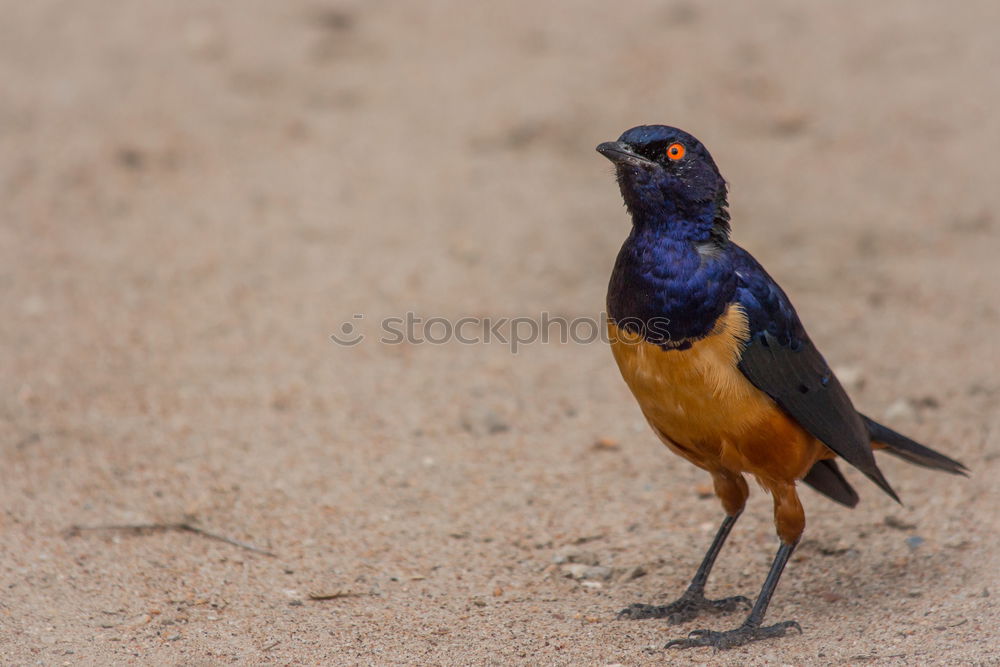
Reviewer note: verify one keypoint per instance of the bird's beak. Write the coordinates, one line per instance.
(621, 153)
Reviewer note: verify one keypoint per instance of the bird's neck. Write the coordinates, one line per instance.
(700, 220)
(708, 223)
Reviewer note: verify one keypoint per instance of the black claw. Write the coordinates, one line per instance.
(637, 611)
(732, 638)
(740, 599)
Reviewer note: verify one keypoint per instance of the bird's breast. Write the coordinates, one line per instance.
(669, 288)
(699, 402)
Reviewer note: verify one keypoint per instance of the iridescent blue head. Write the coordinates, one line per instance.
(669, 180)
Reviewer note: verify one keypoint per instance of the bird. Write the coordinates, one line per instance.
(724, 371)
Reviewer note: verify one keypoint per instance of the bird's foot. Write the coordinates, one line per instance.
(684, 609)
(731, 638)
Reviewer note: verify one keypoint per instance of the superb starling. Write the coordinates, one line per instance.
(723, 369)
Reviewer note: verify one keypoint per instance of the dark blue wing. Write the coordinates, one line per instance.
(781, 361)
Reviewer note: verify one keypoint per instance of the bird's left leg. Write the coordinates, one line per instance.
(790, 521)
(732, 490)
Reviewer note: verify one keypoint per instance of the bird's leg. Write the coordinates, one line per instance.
(751, 629)
(693, 601)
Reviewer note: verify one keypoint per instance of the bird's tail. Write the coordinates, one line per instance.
(899, 445)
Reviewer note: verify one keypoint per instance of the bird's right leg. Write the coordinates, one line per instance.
(732, 490)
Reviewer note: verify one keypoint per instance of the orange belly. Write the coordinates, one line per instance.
(704, 408)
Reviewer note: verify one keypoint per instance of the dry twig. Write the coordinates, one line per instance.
(164, 527)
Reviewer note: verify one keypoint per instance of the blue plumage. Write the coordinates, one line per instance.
(767, 307)
(669, 291)
(678, 270)
(663, 288)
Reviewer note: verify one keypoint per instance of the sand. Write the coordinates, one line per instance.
(195, 196)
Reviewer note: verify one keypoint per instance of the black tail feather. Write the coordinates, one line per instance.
(826, 478)
(899, 445)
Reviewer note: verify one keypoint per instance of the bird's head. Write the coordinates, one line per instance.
(668, 179)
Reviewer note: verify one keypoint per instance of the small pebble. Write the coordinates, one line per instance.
(898, 524)
(595, 572)
(637, 571)
(588, 572)
(901, 409)
(606, 443)
(480, 420)
(574, 570)
(574, 555)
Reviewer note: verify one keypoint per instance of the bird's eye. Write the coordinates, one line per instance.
(676, 151)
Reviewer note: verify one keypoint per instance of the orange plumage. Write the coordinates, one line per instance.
(704, 409)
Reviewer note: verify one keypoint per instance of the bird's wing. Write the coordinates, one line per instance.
(780, 360)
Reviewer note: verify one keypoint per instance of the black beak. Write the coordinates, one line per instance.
(621, 153)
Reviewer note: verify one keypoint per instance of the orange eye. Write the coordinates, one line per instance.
(676, 151)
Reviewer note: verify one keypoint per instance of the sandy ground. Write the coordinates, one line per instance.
(194, 196)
